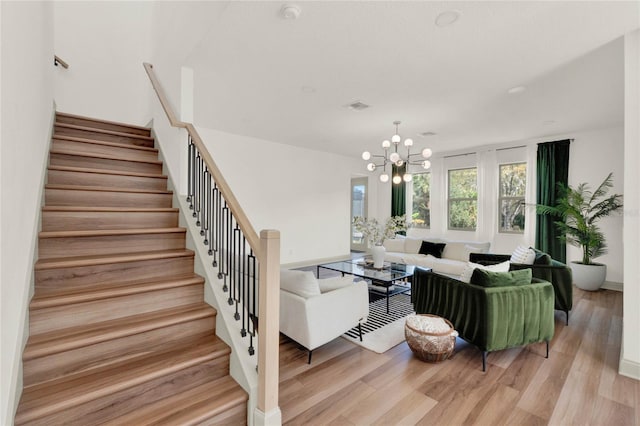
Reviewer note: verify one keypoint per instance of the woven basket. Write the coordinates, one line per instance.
(431, 346)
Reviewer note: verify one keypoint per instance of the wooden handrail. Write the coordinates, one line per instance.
(239, 214)
(57, 60)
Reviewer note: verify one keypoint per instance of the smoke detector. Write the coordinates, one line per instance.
(357, 106)
(290, 12)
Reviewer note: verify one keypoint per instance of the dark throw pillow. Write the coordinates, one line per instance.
(500, 279)
(434, 249)
(542, 258)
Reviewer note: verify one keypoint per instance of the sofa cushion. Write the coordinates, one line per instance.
(412, 245)
(467, 272)
(434, 249)
(459, 250)
(542, 258)
(523, 255)
(302, 283)
(329, 284)
(394, 245)
(485, 278)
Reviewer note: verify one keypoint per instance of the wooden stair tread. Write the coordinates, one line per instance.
(51, 342)
(65, 296)
(105, 143)
(78, 261)
(104, 189)
(106, 132)
(60, 394)
(106, 172)
(102, 156)
(117, 123)
(107, 232)
(110, 209)
(191, 407)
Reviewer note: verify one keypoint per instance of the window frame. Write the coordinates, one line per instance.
(501, 197)
(450, 199)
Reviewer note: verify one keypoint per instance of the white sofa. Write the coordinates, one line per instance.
(314, 312)
(455, 255)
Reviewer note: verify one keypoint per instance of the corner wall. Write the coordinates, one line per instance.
(27, 108)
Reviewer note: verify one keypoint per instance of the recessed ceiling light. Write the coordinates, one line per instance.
(427, 134)
(516, 90)
(290, 11)
(447, 18)
(357, 106)
(308, 89)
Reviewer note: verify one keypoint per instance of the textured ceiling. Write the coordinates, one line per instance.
(288, 80)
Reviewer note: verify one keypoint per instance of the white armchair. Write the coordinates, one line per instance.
(314, 312)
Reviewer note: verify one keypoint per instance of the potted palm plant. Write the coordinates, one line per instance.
(579, 210)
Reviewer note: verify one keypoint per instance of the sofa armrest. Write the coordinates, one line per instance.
(317, 320)
(559, 275)
(488, 258)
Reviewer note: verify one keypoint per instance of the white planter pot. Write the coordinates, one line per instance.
(588, 277)
(378, 252)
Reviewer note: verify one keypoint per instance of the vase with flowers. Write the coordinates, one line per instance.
(376, 232)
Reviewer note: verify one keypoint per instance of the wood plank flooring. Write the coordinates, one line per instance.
(577, 385)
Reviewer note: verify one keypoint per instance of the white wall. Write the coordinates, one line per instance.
(27, 108)
(304, 194)
(105, 44)
(630, 354)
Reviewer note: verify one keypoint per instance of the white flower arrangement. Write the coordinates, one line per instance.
(375, 232)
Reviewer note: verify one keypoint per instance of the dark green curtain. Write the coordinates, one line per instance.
(552, 167)
(398, 192)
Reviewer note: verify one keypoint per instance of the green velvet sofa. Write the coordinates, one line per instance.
(491, 318)
(544, 268)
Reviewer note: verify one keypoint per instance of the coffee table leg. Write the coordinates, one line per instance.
(387, 299)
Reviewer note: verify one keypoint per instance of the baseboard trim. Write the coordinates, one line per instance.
(629, 369)
(611, 285)
(313, 262)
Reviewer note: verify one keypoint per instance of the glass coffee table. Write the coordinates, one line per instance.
(387, 279)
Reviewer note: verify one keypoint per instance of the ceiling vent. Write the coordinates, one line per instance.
(357, 106)
(427, 134)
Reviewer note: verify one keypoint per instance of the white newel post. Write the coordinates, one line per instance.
(267, 410)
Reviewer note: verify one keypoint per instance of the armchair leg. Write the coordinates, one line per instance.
(547, 349)
(360, 331)
(484, 361)
(567, 312)
(310, 352)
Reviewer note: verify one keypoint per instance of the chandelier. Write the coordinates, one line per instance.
(392, 156)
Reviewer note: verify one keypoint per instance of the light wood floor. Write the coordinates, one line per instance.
(578, 384)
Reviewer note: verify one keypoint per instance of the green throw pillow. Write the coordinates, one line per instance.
(542, 258)
(500, 279)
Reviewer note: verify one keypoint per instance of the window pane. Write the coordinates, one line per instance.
(463, 214)
(421, 205)
(513, 180)
(463, 183)
(512, 215)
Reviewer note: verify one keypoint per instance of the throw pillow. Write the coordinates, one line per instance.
(542, 258)
(412, 245)
(334, 283)
(500, 279)
(467, 272)
(523, 255)
(302, 283)
(434, 249)
(395, 245)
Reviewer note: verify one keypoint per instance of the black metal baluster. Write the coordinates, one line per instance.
(189, 173)
(204, 196)
(196, 189)
(245, 285)
(252, 303)
(237, 269)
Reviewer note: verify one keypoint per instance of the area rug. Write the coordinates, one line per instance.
(383, 331)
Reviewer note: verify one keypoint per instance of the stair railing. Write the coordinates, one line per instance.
(248, 265)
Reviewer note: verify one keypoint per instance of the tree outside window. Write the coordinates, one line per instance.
(513, 183)
(463, 199)
(421, 202)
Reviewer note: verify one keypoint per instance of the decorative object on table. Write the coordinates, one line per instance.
(395, 158)
(579, 211)
(376, 233)
(430, 337)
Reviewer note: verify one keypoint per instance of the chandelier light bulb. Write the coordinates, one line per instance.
(384, 178)
(371, 167)
(426, 153)
(366, 155)
(394, 157)
(426, 164)
(399, 163)
(395, 139)
(407, 177)
(408, 142)
(386, 144)
(397, 179)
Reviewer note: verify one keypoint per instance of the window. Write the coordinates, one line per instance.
(421, 200)
(513, 182)
(463, 199)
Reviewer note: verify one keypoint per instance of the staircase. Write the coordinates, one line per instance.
(119, 331)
